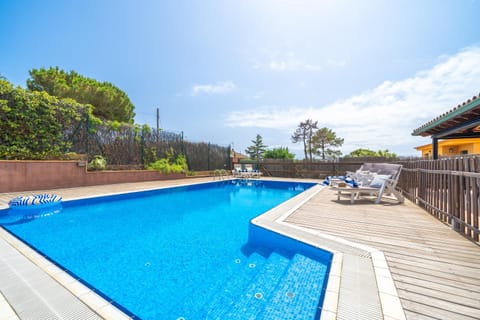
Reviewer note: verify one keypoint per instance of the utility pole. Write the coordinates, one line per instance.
(158, 122)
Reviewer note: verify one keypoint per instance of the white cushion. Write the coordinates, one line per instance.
(379, 180)
(363, 178)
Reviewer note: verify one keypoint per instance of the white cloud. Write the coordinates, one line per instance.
(216, 88)
(279, 65)
(336, 63)
(384, 117)
(256, 96)
(281, 62)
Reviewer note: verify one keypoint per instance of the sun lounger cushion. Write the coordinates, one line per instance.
(364, 178)
(379, 180)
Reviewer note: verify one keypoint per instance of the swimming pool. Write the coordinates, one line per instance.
(184, 252)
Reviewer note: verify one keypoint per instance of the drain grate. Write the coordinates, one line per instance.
(358, 290)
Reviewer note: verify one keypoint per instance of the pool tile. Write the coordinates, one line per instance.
(328, 315)
(109, 312)
(94, 301)
(53, 270)
(78, 289)
(64, 278)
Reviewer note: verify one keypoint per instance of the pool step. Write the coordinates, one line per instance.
(297, 294)
(227, 298)
(239, 272)
(252, 299)
(291, 291)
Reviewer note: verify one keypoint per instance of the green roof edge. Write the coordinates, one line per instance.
(448, 116)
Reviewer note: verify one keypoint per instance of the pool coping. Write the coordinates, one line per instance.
(272, 220)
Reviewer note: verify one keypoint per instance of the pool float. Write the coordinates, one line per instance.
(35, 201)
(26, 208)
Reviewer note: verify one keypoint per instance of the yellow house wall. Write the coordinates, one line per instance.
(476, 148)
(457, 149)
(452, 147)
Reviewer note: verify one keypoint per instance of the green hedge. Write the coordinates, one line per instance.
(34, 125)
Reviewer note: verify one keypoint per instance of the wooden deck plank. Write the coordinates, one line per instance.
(417, 316)
(399, 274)
(459, 304)
(471, 292)
(439, 292)
(470, 274)
(456, 309)
(447, 260)
(436, 270)
(418, 310)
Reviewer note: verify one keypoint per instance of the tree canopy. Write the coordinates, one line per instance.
(256, 150)
(361, 152)
(304, 133)
(108, 101)
(279, 153)
(325, 141)
(322, 142)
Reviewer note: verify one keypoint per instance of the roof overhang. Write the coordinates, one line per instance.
(461, 122)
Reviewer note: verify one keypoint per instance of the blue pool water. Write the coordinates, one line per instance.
(184, 252)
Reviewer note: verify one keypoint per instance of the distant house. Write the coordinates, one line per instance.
(452, 147)
(235, 157)
(455, 132)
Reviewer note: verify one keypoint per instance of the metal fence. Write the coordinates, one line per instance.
(133, 147)
(203, 156)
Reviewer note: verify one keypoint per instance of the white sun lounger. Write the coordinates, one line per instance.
(383, 181)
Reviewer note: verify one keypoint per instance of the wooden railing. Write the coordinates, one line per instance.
(449, 189)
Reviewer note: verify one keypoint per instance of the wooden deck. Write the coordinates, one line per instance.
(436, 270)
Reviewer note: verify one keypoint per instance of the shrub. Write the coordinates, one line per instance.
(73, 156)
(161, 165)
(34, 125)
(166, 165)
(98, 163)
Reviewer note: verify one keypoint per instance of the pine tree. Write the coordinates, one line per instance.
(304, 133)
(324, 143)
(256, 150)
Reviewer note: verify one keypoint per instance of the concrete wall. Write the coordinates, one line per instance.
(35, 175)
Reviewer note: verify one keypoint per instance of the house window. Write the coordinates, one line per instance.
(464, 152)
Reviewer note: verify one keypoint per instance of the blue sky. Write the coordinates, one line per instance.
(223, 71)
